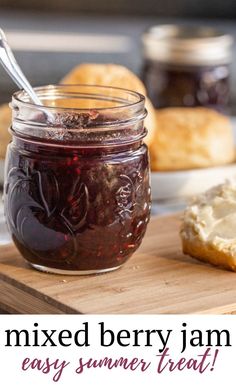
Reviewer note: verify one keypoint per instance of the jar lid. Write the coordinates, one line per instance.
(187, 45)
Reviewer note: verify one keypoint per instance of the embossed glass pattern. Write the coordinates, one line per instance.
(77, 194)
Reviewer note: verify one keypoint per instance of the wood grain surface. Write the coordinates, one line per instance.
(157, 279)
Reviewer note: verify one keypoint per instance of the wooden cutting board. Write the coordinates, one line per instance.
(157, 279)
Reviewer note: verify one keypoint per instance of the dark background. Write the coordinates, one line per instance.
(121, 18)
(160, 8)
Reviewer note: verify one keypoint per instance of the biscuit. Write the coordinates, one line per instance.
(189, 138)
(5, 122)
(104, 75)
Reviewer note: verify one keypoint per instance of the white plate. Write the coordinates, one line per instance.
(178, 184)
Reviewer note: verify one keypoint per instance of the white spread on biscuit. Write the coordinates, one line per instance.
(212, 217)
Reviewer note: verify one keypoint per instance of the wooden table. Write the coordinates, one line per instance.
(157, 279)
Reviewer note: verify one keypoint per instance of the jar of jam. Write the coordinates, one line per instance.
(187, 66)
(77, 193)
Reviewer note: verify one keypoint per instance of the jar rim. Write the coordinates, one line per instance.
(187, 33)
(186, 44)
(121, 120)
(52, 87)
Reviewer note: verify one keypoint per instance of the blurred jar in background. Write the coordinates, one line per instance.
(187, 66)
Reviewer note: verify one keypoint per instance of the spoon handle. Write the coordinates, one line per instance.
(10, 64)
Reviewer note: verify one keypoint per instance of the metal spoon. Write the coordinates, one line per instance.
(10, 64)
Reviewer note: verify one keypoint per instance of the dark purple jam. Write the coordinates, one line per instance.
(187, 86)
(74, 207)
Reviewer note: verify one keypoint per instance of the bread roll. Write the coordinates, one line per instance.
(5, 122)
(104, 75)
(191, 138)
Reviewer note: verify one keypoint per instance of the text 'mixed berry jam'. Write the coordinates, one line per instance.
(77, 193)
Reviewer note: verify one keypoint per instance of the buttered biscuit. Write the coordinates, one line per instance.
(208, 231)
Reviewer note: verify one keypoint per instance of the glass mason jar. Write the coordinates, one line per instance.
(77, 193)
(187, 66)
